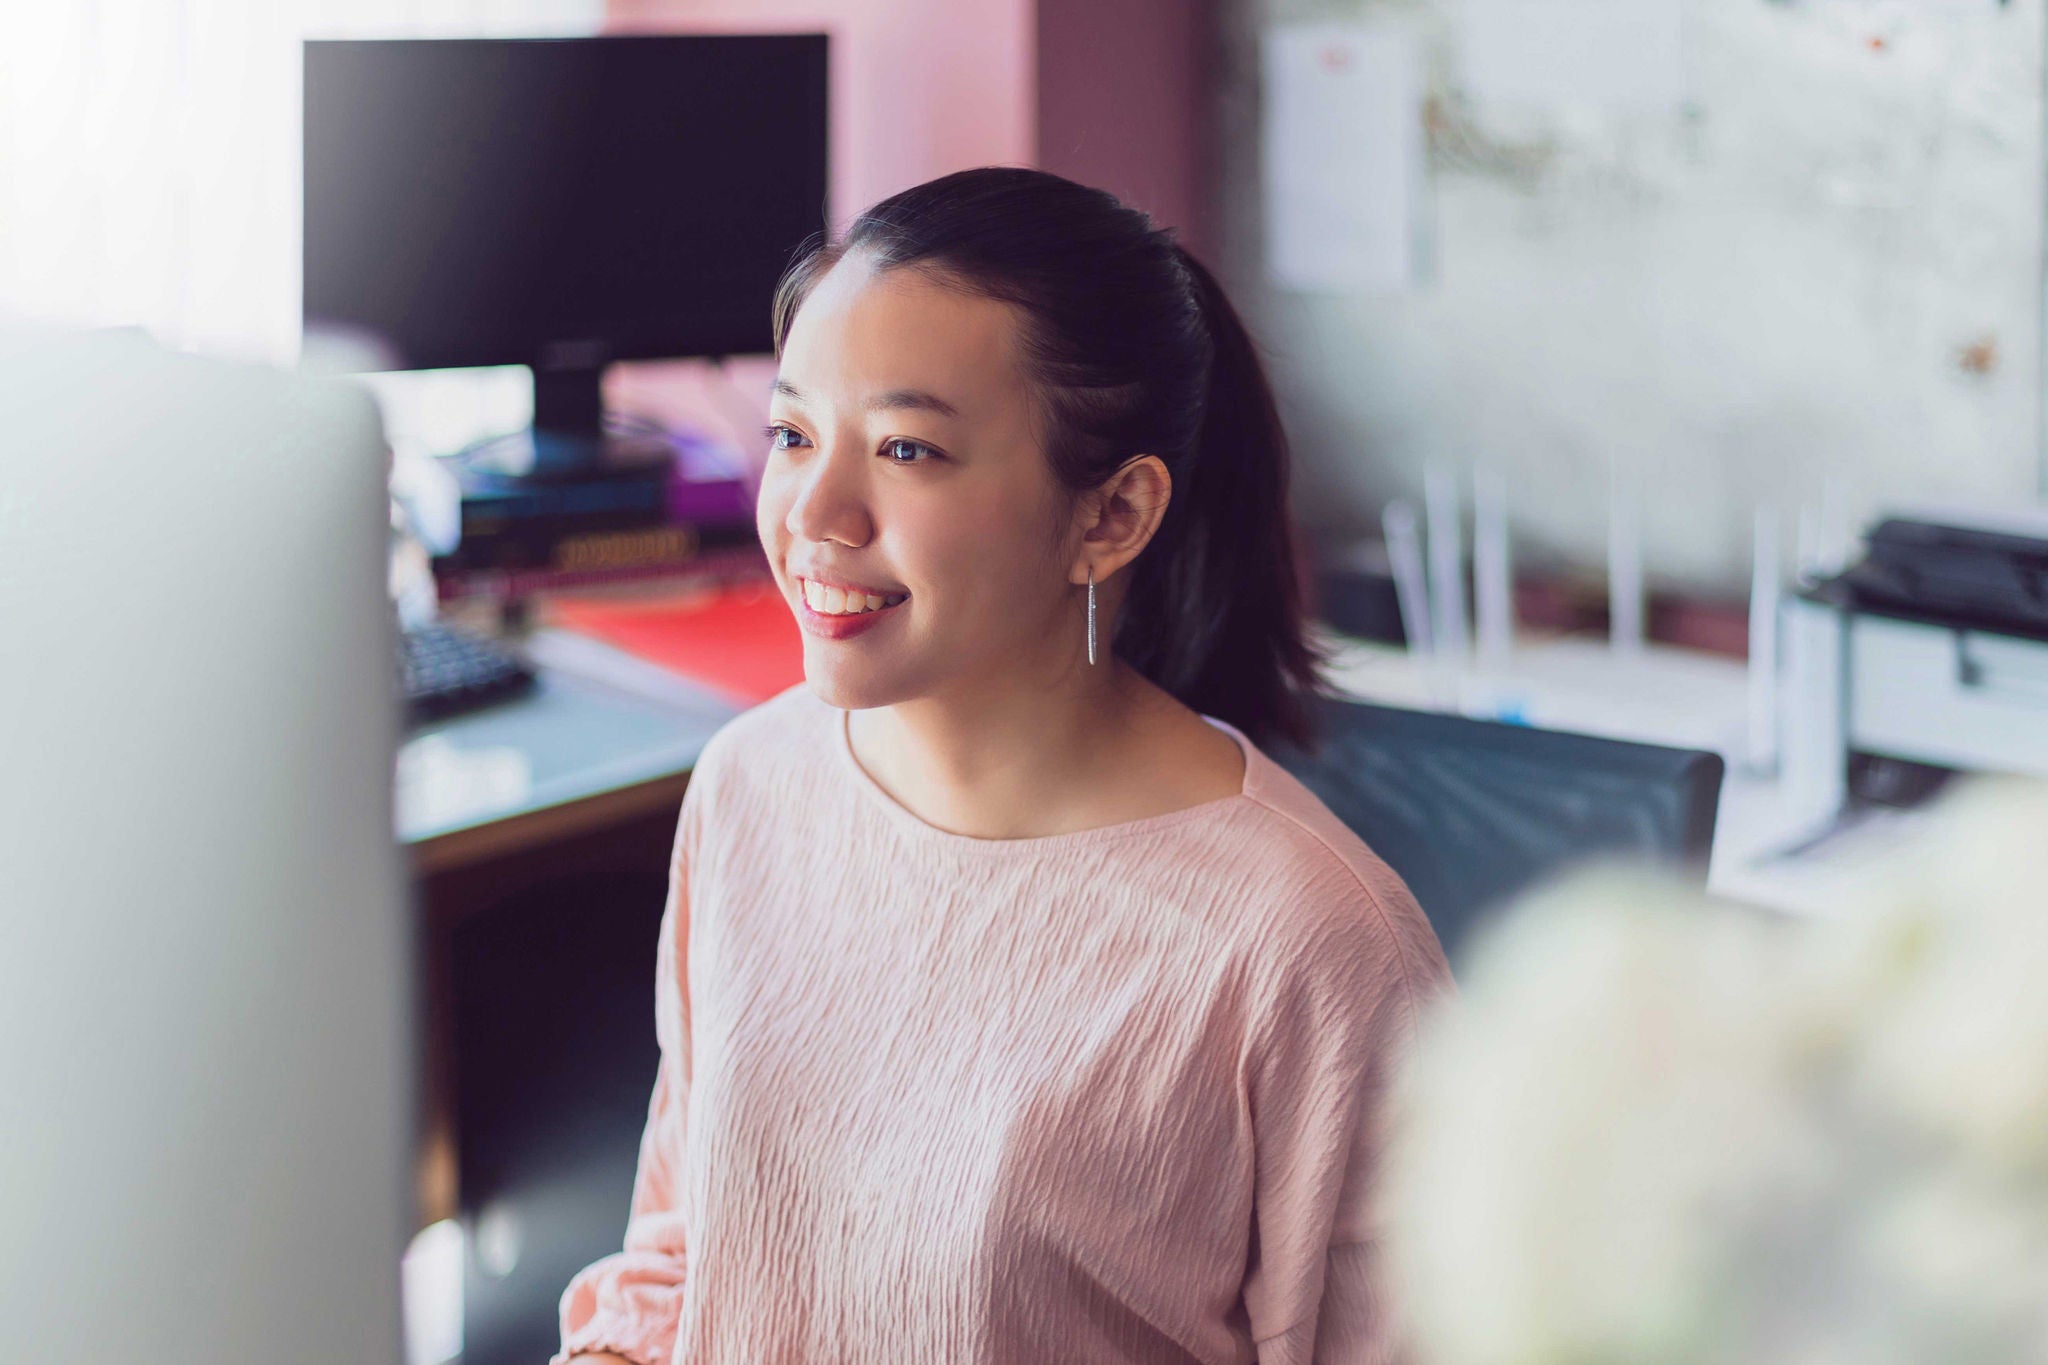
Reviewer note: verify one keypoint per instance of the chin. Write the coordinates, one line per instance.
(849, 688)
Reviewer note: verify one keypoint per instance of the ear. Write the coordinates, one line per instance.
(1119, 517)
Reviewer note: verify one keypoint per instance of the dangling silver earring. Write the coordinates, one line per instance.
(1091, 613)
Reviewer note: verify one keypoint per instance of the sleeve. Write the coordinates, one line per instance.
(1321, 1074)
(630, 1302)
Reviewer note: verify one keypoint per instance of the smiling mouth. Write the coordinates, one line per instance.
(826, 601)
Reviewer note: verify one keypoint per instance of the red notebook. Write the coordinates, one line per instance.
(740, 640)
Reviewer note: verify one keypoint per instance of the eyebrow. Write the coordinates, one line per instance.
(894, 399)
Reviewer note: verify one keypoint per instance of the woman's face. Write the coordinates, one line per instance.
(905, 459)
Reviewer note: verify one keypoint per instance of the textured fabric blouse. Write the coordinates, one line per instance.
(1108, 1096)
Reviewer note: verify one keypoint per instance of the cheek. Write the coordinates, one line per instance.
(936, 542)
(983, 564)
(771, 507)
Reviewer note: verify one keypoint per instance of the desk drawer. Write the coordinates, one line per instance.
(1965, 699)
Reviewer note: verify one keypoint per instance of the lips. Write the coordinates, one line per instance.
(840, 627)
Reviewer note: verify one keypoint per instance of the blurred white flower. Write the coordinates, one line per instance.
(1655, 1128)
(1962, 1043)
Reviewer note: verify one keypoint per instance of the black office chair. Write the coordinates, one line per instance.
(1473, 812)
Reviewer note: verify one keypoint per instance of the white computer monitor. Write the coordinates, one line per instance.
(206, 969)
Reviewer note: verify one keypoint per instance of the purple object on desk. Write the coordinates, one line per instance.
(709, 487)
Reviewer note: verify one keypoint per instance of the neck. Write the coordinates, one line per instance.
(1014, 759)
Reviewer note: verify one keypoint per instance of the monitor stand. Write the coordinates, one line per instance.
(570, 440)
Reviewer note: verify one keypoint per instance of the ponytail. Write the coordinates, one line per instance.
(1136, 351)
(1215, 614)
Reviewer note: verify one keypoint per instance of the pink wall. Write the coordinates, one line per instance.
(1123, 103)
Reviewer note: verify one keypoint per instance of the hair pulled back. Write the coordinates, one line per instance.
(1135, 351)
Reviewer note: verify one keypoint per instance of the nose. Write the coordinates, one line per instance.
(831, 498)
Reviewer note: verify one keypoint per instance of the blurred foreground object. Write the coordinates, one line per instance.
(1660, 1129)
(206, 990)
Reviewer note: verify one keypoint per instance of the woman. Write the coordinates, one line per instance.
(1014, 1006)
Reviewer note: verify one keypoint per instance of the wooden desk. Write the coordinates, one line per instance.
(602, 736)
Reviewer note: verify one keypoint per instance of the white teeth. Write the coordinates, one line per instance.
(828, 601)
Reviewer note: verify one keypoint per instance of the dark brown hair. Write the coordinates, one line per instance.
(1136, 351)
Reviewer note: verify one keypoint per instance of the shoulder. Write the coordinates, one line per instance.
(791, 720)
(766, 745)
(1343, 924)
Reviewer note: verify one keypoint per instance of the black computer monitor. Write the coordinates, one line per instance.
(559, 203)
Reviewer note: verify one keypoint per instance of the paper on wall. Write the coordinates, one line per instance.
(1613, 55)
(1343, 156)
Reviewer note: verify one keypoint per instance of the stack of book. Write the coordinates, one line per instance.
(689, 522)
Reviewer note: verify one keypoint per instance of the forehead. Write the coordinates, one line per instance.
(862, 331)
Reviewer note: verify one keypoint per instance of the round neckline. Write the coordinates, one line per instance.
(1036, 845)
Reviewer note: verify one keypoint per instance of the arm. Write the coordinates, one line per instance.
(625, 1308)
(1321, 1072)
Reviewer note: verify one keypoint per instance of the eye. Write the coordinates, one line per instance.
(774, 431)
(901, 443)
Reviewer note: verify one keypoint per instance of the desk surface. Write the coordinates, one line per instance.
(600, 737)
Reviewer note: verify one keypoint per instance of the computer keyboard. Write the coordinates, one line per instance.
(446, 669)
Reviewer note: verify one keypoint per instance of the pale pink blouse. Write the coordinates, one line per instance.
(1109, 1096)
